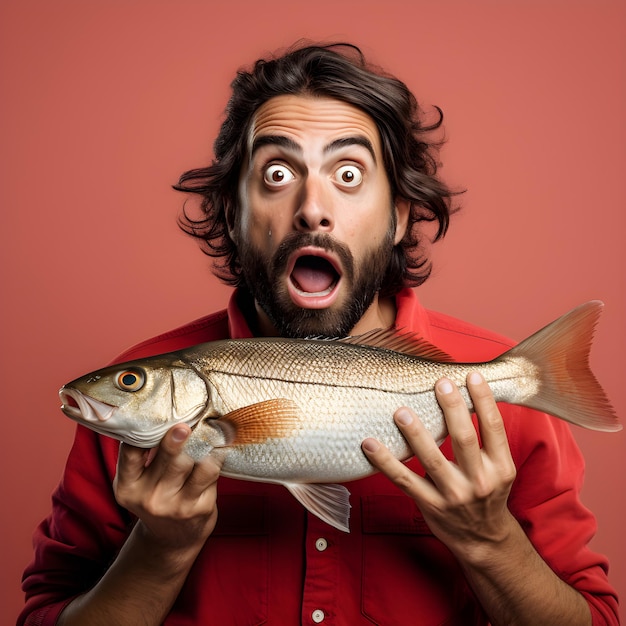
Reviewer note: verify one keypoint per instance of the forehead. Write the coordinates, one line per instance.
(307, 118)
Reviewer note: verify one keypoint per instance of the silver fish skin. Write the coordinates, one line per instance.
(295, 412)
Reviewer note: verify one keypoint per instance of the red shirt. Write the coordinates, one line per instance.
(270, 562)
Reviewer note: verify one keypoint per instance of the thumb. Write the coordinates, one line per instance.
(174, 440)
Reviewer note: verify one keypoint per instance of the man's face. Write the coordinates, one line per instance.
(316, 222)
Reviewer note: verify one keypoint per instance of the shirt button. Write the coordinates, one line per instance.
(318, 616)
(321, 544)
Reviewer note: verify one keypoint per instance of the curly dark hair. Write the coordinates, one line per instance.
(338, 71)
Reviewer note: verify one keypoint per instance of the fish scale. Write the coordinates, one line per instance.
(331, 424)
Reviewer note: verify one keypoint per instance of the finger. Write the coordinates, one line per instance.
(174, 440)
(204, 475)
(179, 471)
(411, 483)
(491, 424)
(131, 462)
(171, 460)
(463, 435)
(148, 458)
(150, 465)
(421, 442)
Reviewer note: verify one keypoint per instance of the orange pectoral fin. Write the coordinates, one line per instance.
(270, 419)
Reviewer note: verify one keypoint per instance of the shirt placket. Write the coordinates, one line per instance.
(321, 578)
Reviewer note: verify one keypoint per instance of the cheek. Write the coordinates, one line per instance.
(254, 213)
(264, 228)
(363, 243)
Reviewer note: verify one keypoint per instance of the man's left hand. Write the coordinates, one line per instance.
(464, 501)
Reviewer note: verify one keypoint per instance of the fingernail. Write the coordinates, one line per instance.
(445, 387)
(475, 378)
(403, 417)
(180, 434)
(149, 456)
(370, 445)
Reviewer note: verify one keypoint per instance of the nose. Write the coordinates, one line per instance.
(314, 212)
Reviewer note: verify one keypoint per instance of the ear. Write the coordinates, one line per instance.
(402, 207)
(231, 222)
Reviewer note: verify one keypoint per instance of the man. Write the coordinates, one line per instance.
(315, 204)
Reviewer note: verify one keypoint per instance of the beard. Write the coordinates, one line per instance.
(263, 280)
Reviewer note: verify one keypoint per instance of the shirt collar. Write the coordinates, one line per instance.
(238, 327)
(411, 316)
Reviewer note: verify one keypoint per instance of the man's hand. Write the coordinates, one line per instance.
(174, 499)
(173, 496)
(463, 501)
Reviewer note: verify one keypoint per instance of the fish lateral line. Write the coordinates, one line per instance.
(338, 384)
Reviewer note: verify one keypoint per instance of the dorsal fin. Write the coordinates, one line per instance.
(407, 343)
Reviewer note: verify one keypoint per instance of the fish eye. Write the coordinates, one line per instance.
(349, 175)
(130, 380)
(277, 175)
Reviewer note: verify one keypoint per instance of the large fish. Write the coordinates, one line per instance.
(295, 412)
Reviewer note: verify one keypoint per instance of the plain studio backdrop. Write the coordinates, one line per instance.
(105, 103)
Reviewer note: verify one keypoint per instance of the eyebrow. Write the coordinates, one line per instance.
(290, 144)
(274, 140)
(357, 140)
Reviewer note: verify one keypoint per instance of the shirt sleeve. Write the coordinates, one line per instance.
(545, 498)
(73, 546)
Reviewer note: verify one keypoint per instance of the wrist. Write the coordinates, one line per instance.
(170, 555)
(504, 542)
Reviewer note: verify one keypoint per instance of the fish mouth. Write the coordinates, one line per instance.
(81, 407)
(313, 277)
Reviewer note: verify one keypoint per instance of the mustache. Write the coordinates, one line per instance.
(324, 241)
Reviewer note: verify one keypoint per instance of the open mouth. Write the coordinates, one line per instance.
(314, 277)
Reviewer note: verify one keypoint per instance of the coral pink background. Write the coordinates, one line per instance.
(104, 103)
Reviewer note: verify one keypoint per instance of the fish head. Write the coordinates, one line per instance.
(138, 401)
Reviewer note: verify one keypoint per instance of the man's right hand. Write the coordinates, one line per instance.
(173, 496)
(174, 500)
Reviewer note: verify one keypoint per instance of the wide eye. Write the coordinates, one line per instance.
(349, 176)
(276, 175)
(131, 380)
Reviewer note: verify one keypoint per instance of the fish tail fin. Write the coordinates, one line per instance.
(568, 388)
